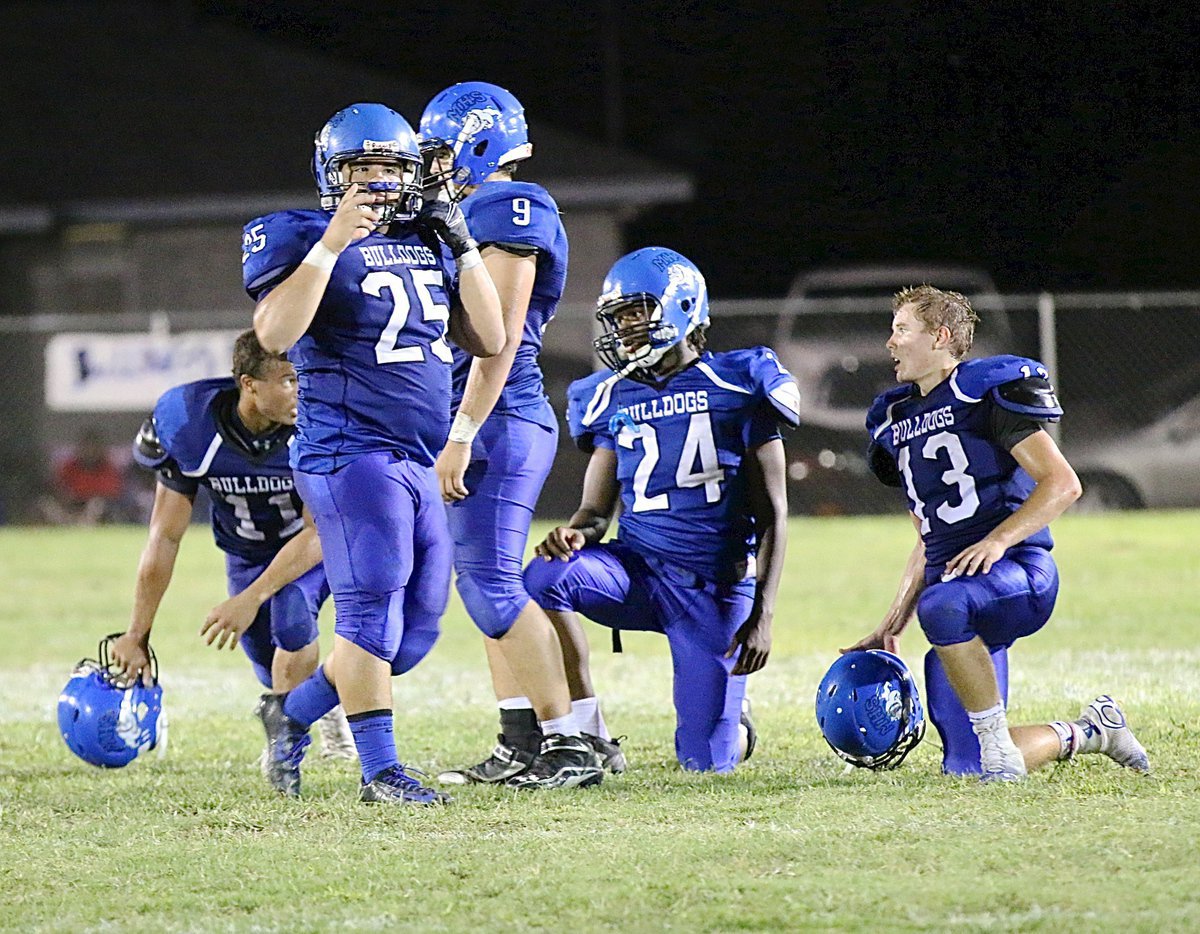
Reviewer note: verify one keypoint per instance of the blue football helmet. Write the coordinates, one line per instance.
(378, 133)
(869, 710)
(482, 126)
(665, 292)
(106, 720)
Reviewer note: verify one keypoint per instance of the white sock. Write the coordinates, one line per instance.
(564, 725)
(589, 718)
(988, 721)
(1071, 739)
(514, 703)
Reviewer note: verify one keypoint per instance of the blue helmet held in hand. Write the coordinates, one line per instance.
(652, 300)
(107, 721)
(869, 710)
(478, 127)
(375, 133)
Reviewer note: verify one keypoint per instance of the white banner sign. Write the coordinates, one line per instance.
(128, 372)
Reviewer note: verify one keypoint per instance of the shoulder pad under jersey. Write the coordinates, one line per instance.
(879, 415)
(513, 212)
(757, 370)
(185, 422)
(274, 245)
(590, 405)
(147, 449)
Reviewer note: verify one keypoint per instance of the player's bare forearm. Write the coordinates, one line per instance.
(1056, 487)
(767, 480)
(155, 569)
(297, 557)
(283, 315)
(601, 493)
(478, 325)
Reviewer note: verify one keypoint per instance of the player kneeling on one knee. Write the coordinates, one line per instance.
(965, 441)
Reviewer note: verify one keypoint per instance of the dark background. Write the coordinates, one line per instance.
(1055, 145)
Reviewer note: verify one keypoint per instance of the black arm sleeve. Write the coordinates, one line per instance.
(516, 249)
(170, 476)
(1009, 429)
(883, 465)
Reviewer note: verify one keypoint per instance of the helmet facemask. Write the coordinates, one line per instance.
(442, 181)
(403, 196)
(635, 350)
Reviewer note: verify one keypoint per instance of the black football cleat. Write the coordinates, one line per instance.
(395, 786)
(749, 735)
(286, 742)
(564, 762)
(612, 757)
(504, 763)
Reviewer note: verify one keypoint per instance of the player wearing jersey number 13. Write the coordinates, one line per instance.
(363, 295)
(983, 480)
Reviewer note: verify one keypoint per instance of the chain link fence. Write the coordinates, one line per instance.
(1126, 366)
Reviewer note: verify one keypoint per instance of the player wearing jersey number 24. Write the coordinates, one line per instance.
(687, 443)
(983, 480)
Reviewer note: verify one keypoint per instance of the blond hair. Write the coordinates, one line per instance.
(936, 308)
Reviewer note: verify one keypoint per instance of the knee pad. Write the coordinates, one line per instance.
(493, 599)
(293, 623)
(421, 631)
(373, 622)
(944, 611)
(960, 745)
(256, 643)
(543, 583)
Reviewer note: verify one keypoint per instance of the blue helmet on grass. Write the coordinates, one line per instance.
(106, 720)
(481, 125)
(376, 133)
(869, 710)
(664, 295)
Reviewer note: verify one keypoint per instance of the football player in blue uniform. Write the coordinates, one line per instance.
(687, 443)
(503, 439)
(363, 294)
(964, 439)
(231, 436)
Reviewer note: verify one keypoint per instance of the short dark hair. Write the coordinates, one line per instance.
(937, 308)
(698, 338)
(249, 357)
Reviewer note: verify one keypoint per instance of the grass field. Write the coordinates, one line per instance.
(194, 841)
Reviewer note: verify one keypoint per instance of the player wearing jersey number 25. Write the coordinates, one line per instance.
(983, 480)
(363, 294)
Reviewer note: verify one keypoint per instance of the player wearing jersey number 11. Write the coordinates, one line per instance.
(964, 440)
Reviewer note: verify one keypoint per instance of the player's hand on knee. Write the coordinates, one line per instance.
(227, 621)
(451, 468)
(974, 559)
(751, 643)
(561, 543)
(353, 219)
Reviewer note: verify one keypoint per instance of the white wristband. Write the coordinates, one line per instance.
(469, 260)
(464, 428)
(321, 257)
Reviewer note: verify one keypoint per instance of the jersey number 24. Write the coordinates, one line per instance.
(698, 445)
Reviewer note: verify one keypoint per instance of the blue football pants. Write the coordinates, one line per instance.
(623, 589)
(387, 553)
(1013, 600)
(287, 621)
(510, 460)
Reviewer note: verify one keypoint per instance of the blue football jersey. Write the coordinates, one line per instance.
(374, 366)
(680, 450)
(960, 482)
(523, 215)
(201, 442)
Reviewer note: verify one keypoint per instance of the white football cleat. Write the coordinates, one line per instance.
(1116, 739)
(1000, 760)
(337, 742)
